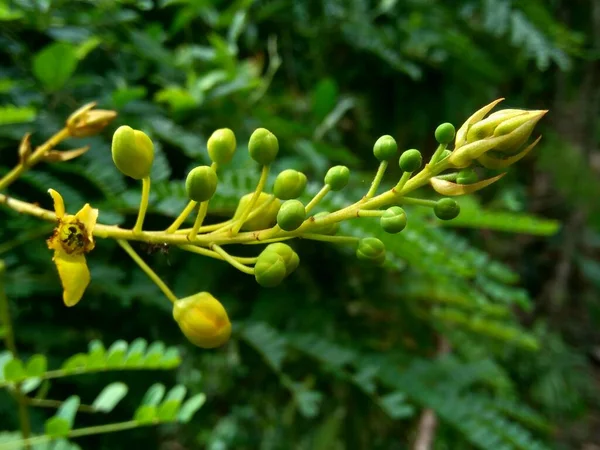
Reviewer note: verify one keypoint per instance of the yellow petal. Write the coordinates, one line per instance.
(74, 276)
(450, 189)
(88, 216)
(59, 204)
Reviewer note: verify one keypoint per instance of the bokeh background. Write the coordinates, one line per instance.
(492, 322)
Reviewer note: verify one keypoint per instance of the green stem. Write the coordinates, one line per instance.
(212, 254)
(417, 201)
(332, 239)
(437, 154)
(259, 188)
(199, 219)
(226, 226)
(369, 213)
(317, 198)
(9, 341)
(403, 179)
(227, 257)
(377, 180)
(143, 205)
(100, 429)
(35, 157)
(181, 218)
(146, 268)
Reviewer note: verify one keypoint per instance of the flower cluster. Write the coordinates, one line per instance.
(276, 215)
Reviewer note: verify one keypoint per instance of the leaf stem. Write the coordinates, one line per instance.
(143, 205)
(181, 218)
(377, 180)
(259, 188)
(317, 198)
(227, 257)
(146, 268)
(35, 157)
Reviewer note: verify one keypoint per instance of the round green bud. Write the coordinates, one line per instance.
(269, 269)
(467, 176)
(371, 250)
(393, 220)
(411, 160)
(329, 229)
(290, 257)
(291, 215)
(445, 133)
(265, 219)
(337, 177)
(263, 146)
(221, 146)
(201, 183)
(289, 184)
(132, 152)
(446, 209)
(385, 148)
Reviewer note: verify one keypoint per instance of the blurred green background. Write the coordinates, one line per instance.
(341, 356)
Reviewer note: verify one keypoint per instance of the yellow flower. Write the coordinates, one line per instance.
(72, 238)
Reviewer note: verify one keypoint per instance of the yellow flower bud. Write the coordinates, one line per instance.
(264, 219)
(132, 152)
(201, 183)
(203, 320)
(504, 131)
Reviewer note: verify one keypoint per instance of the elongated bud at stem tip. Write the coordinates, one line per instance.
(221, 146)
(393, 220)
(410, 160)
(385, 148)
(371, 250)
(446, 209)
(201, 183)
(203, 320)
(337, 177)
(270, 269)
(291, 215)
(263, 146)
(445, 133)
(132, 152)
(289, 184)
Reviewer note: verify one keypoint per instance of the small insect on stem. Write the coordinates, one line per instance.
(151, 249)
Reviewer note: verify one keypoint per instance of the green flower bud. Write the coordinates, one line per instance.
(203, 320)
(445, 133)
(371, 250)
(411, 160)
(337, 177)
(289, 184)
(269, 269)
(263, 146)
(132, 152)
(385, 148)
(266, 219)
(201, 183)
(467, 176)
(290, 257)
(221, 146)
(291, 215)
(393, 220)
(446, 209)
(329, 229)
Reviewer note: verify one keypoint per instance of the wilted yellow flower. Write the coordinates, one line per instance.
(203, 320)
(71, 240)
(87, 121)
